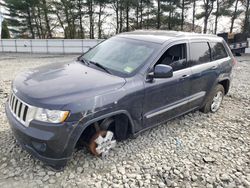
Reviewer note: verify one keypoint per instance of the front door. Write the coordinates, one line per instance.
(168, 97)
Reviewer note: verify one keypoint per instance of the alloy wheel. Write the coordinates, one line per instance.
(216, 101)
(102, 142)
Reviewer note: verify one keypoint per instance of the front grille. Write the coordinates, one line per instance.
(19, 109)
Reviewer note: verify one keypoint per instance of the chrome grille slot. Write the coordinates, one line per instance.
(25, 113)
(19, 109)
(12, 102)
(15, 105)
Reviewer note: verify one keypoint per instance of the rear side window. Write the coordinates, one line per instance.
(218, 50)
(200, 53)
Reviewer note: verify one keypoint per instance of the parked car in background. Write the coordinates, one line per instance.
(123, 86)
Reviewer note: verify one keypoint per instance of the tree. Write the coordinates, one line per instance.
(58, 11)
(90, 12)
(222, 9)
(207, 6)
(127, 7)
(29, 18)
(166, 13)
(172, 19)
(46, 18)
(149, 4)
(80, 17)
(184, 5)
(235, 13)
(121, 8)
(158, 14)
(194, 12)
(115, 7)
(67, 15)
(5, 30)
(20, 15)
(246, 27)
(101, 6)
(143, 8)
(88, 18)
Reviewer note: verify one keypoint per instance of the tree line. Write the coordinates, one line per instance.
(102, 18)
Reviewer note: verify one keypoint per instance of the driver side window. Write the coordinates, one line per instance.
(175, 56)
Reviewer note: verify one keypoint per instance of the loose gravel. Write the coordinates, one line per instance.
(195, 150)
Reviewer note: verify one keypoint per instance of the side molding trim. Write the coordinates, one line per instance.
(173, 106)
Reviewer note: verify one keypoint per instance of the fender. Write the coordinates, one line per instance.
(220, 79)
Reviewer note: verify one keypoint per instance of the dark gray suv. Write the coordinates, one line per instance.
(123, 86)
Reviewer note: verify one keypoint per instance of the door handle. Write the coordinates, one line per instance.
(214, 67)
(185, 76)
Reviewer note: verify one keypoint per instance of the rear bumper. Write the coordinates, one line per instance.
(52, 144)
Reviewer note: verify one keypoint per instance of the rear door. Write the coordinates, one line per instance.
(221, 56)
(205, 72)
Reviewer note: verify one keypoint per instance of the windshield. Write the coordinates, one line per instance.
(121, 55)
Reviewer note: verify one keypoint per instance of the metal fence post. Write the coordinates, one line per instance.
(63, 46)
(16, 45)
(82, 46)
(2, 44)
(31, 46)
(47, 45)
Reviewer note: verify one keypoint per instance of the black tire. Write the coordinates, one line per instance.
(207, 107)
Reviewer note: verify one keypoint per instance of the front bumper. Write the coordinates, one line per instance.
(50, 143)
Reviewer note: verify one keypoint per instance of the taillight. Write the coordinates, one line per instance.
(234, 61)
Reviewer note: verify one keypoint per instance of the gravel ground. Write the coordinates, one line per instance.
(195, 150)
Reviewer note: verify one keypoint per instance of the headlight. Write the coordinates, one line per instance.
(51, 116)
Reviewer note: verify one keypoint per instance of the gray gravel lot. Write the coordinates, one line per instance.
(195, 150)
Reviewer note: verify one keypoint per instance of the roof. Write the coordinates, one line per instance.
(161, 36)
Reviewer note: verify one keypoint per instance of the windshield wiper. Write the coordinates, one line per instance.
(85, 61)
(101, 66)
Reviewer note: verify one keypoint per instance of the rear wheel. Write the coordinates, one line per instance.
(214, 100)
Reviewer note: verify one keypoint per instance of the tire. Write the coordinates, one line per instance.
(214, 100)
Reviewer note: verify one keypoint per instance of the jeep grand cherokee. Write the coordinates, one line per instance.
(123, 86)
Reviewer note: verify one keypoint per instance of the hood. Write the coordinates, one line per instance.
(61, 83)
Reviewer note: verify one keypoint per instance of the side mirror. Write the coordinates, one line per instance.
(162, 71)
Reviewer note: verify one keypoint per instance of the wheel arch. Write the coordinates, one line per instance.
(226, 84)
(109, 115)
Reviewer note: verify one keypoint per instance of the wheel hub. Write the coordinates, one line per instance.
(216, 101)
(105, 143)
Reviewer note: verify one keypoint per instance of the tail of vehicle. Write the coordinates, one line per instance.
(234, 61)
